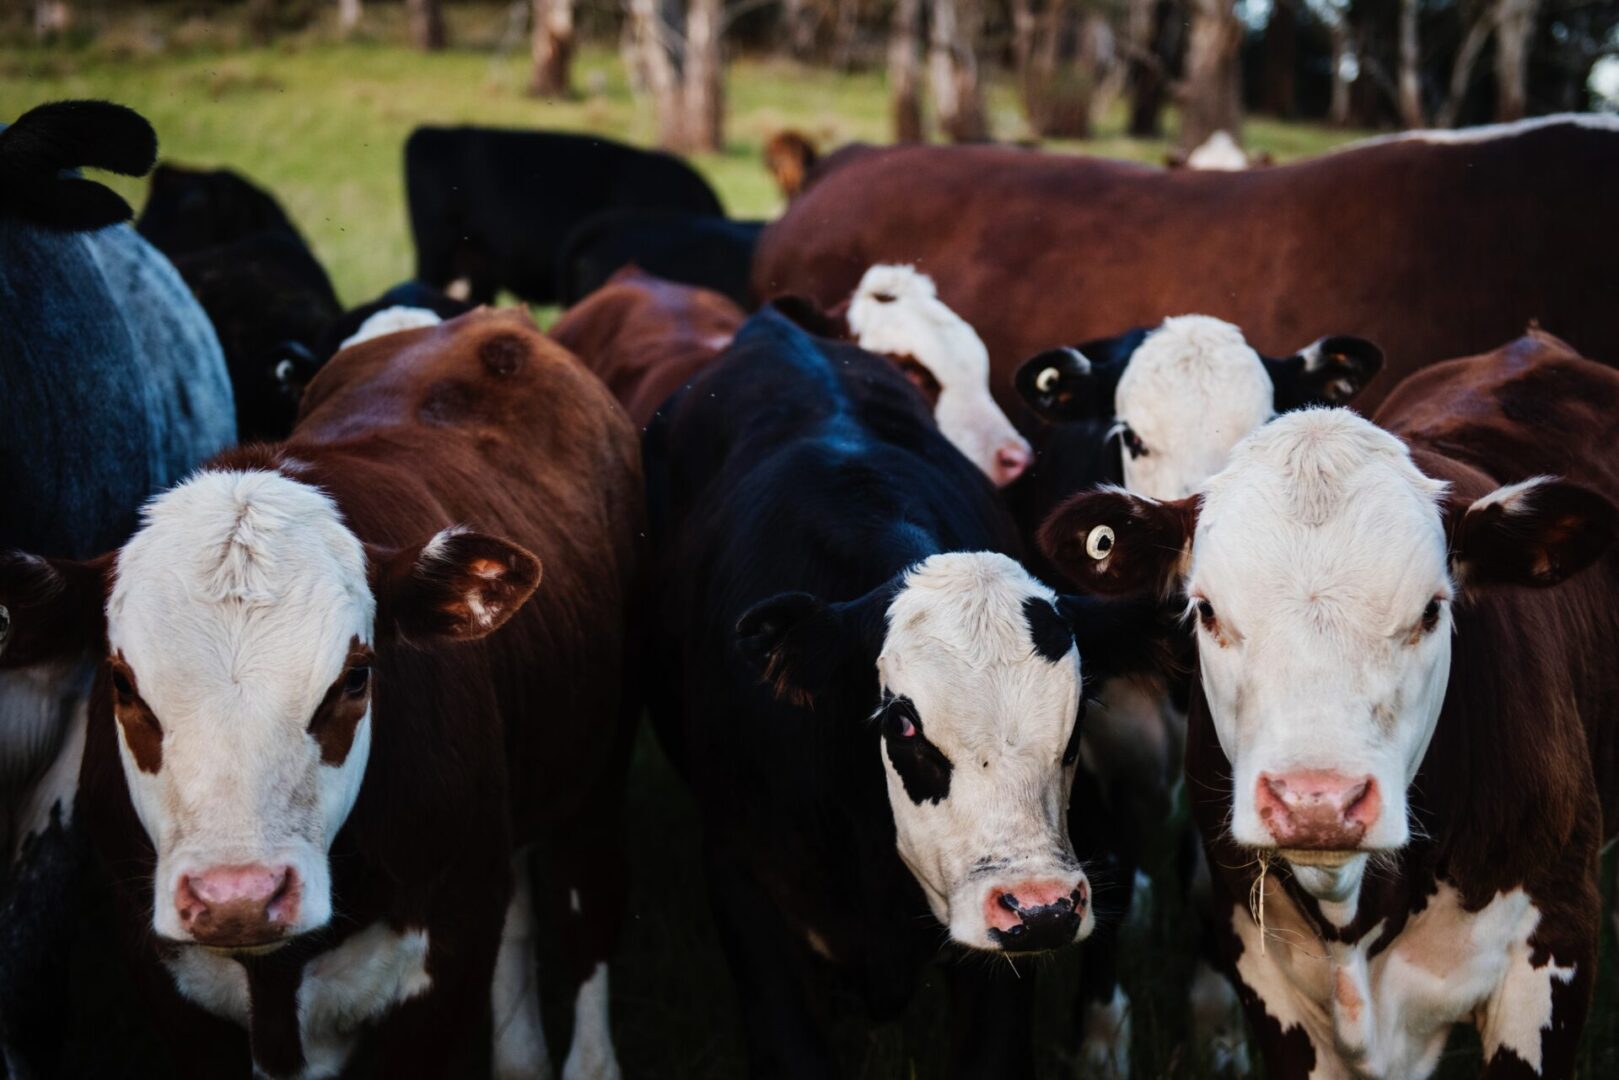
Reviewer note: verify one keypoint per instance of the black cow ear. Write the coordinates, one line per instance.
(1538, 533)
(811, 652)
(460, 584)
(1133, 635)
(1330, 372)
(1077, 382)
(1113, 543)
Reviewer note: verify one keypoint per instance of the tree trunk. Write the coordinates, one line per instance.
(953, 70)
(552, 48)
(260, 21)
(426, 24)
(1147, 23)
(798, 28)
(704, 76)
(655, 70)
(845, 32)
(1410, 78)
(905, 70)
(1211, 95)
(1514, 33)
(1338, 31)
(51, 17)
(1461, 72)
(1280, 96)
(348, 15)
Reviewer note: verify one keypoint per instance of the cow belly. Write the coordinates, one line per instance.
(341, 990)
(1387, 1017)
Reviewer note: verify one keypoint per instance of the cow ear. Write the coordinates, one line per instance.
(1538, 533)
(810, 651)
(51, 609)
(1123, 636)
(1329, 372)
(460, 584)
(1064, 384)
(1113, 543)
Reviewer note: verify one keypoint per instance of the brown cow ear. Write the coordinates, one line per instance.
(1113, 543)
(1538, 533)
(460, 584)
(51, 609)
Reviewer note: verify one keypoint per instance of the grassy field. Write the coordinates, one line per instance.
(321, 124)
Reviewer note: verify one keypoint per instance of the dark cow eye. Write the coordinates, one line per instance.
(357, 680)
(1205, 613)
(1133, 443)
(121, 684)
(900, 724)
(1430, 616)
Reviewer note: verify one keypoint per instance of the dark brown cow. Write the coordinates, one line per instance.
(646, 337)
(790, 156)
(313, 775)
(1404, 761)
(1430, 244)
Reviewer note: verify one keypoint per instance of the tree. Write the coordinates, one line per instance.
(953, 70)
(51, 17)
(1514, 31)
(1410, 76)
(426, 24)
(1279, 94)
(552, 48)
(1147, 26)
(683, 73)
(704, 77)
(348, 15)
(655, 71)
(905, 70)
(1211, 93)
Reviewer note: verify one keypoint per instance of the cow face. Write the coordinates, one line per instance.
(976, 700)
(897, 312)
(241, 627)
(1184, 394)
(1320, 569)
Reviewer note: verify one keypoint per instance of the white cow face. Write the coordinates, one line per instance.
(978, 693)
(896, 311)
(1319, 572)
(241, 627)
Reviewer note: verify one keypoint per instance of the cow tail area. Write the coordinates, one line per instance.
(39, 152)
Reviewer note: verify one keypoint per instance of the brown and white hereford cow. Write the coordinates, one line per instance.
(1402, 751)
(1406, 241)
(328, 724)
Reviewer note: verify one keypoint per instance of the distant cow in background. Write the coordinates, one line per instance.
(250, 268)
(712, 252)
(490, 208)
(113, 387)
(789, 156)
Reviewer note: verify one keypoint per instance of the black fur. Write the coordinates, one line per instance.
(1053, 637)
(923, 768)
(706, 250)
(38, 151)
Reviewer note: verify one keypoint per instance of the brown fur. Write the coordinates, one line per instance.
(1402, 243)
(646, 337)
(790, 155)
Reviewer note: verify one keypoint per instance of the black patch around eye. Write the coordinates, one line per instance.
(922, 767)
(1052, 635)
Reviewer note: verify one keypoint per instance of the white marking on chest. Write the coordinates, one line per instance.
(1388, 1016)
(342, 989)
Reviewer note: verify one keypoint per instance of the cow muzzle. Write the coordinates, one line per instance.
(1315, 811)
(239, 907)
(1038, 914)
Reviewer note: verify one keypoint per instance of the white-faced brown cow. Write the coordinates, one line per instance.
(327, 726)
(1403, 747)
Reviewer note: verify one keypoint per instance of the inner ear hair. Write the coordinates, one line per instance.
(460, 584)
(1538, 533)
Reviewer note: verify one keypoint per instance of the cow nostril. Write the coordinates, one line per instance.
(1009, 902)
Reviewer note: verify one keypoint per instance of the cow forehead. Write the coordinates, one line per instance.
(913, 321)
(239, 583)
(1194, 359)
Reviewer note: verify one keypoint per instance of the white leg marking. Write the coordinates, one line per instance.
(591, 1056)
(1105, 1047)
(520, 1050)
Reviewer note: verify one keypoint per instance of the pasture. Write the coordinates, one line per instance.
(321, 123)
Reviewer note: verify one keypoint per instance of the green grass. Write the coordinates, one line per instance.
(321, 124)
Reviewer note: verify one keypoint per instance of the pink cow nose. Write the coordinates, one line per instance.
(1317, 809)
(1010, 462)
(1030, 916)
(235, 906)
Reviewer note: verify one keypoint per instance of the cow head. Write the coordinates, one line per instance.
(970, 671)
(1185, 393)
(1320, 569)
(238, 631)
(896, 311)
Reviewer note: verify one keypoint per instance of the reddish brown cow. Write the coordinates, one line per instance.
(646, 337)
(1403, 750)
(1428, 244)
(316, 757)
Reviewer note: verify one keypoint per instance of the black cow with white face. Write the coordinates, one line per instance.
(877, 707)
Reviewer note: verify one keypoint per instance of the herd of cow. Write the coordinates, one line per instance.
(942, 576)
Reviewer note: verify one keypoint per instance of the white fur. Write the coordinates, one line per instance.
(42, 718)
(1387, 1016)
(341, 991)
(1190, 392)
(915, 322)
(392, 321)
(234, 605)
(591, 1056)
(1218, 153)
(958, 646)
(520, 1052)
(1491, 132)
(1319, 546)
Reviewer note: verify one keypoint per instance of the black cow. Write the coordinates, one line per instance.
(245, 261)
(692, 249)
(877, 709)
(490, 208)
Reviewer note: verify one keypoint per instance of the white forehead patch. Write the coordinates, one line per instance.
(391, 321)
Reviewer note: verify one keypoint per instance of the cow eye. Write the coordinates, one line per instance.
(357, 680)
(1430, 616)
(900, 723)
(1133, 443)
(121, 684)
(1205, 613)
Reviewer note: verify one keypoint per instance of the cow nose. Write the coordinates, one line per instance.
(238, 905)
(1032, 916)
(1010, 462)
(1317, 809)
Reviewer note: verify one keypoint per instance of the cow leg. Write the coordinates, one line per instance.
(767, 965)
(519, 1037)
(1531, 1025)
(991, 1011)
